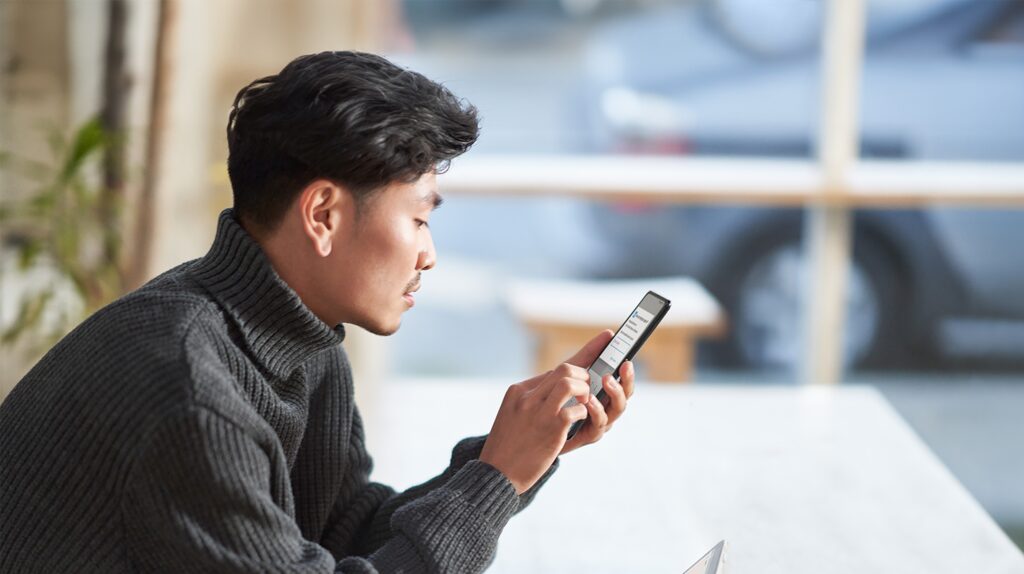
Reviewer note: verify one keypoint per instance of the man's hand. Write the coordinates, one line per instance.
(601, 414)
(530, 428)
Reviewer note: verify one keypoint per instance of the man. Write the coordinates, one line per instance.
(206, 423)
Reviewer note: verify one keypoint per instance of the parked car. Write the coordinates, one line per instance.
(942, 79)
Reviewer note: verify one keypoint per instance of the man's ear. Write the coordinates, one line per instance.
(325, 208)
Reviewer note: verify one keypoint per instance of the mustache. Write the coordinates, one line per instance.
(414, 283)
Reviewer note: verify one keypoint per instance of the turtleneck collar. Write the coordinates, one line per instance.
(278, 328)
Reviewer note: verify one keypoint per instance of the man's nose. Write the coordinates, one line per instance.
(428, 256)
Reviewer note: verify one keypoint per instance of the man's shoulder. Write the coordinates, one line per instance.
(144, 332)
(134, 351)
(166, 308)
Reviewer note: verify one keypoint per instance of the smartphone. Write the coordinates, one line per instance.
(624, 346)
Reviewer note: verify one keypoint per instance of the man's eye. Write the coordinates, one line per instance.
(421, 223)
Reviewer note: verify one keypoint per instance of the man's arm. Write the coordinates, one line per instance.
(528, 434)
(203, 495)
(361, 521)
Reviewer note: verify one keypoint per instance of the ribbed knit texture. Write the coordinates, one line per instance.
(206, 423)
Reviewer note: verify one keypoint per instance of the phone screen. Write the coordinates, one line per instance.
(630, 333)
(624, 344)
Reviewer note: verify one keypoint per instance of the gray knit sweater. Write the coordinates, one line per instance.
(205, 423)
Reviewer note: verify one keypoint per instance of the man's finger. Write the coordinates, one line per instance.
(598, 416)
(589, 352)
(563, 371)
(574, 413)
(627, 378)
(571, 370)
(616, 398)
(597, 423)
(565, 388)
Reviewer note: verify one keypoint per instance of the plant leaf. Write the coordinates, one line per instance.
(89, 139)
(29, 314)
(29, 254)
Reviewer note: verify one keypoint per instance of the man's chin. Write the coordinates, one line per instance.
(387, 332)
(383, 330)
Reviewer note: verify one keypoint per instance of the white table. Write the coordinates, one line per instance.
(796, 479)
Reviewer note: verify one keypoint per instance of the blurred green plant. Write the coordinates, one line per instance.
(61, 222)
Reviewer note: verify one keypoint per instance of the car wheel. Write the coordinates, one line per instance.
(764, 294)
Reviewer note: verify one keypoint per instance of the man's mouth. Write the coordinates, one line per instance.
(408, 296)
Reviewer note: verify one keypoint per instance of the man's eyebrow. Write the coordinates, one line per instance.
(434, 200)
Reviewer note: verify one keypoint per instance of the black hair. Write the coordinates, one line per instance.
(350, 117)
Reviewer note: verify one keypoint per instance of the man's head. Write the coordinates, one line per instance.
(332, 164)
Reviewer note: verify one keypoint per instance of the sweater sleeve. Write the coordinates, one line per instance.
(368, 515)
(204, 495)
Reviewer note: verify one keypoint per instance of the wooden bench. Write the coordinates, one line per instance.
(563, 315)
